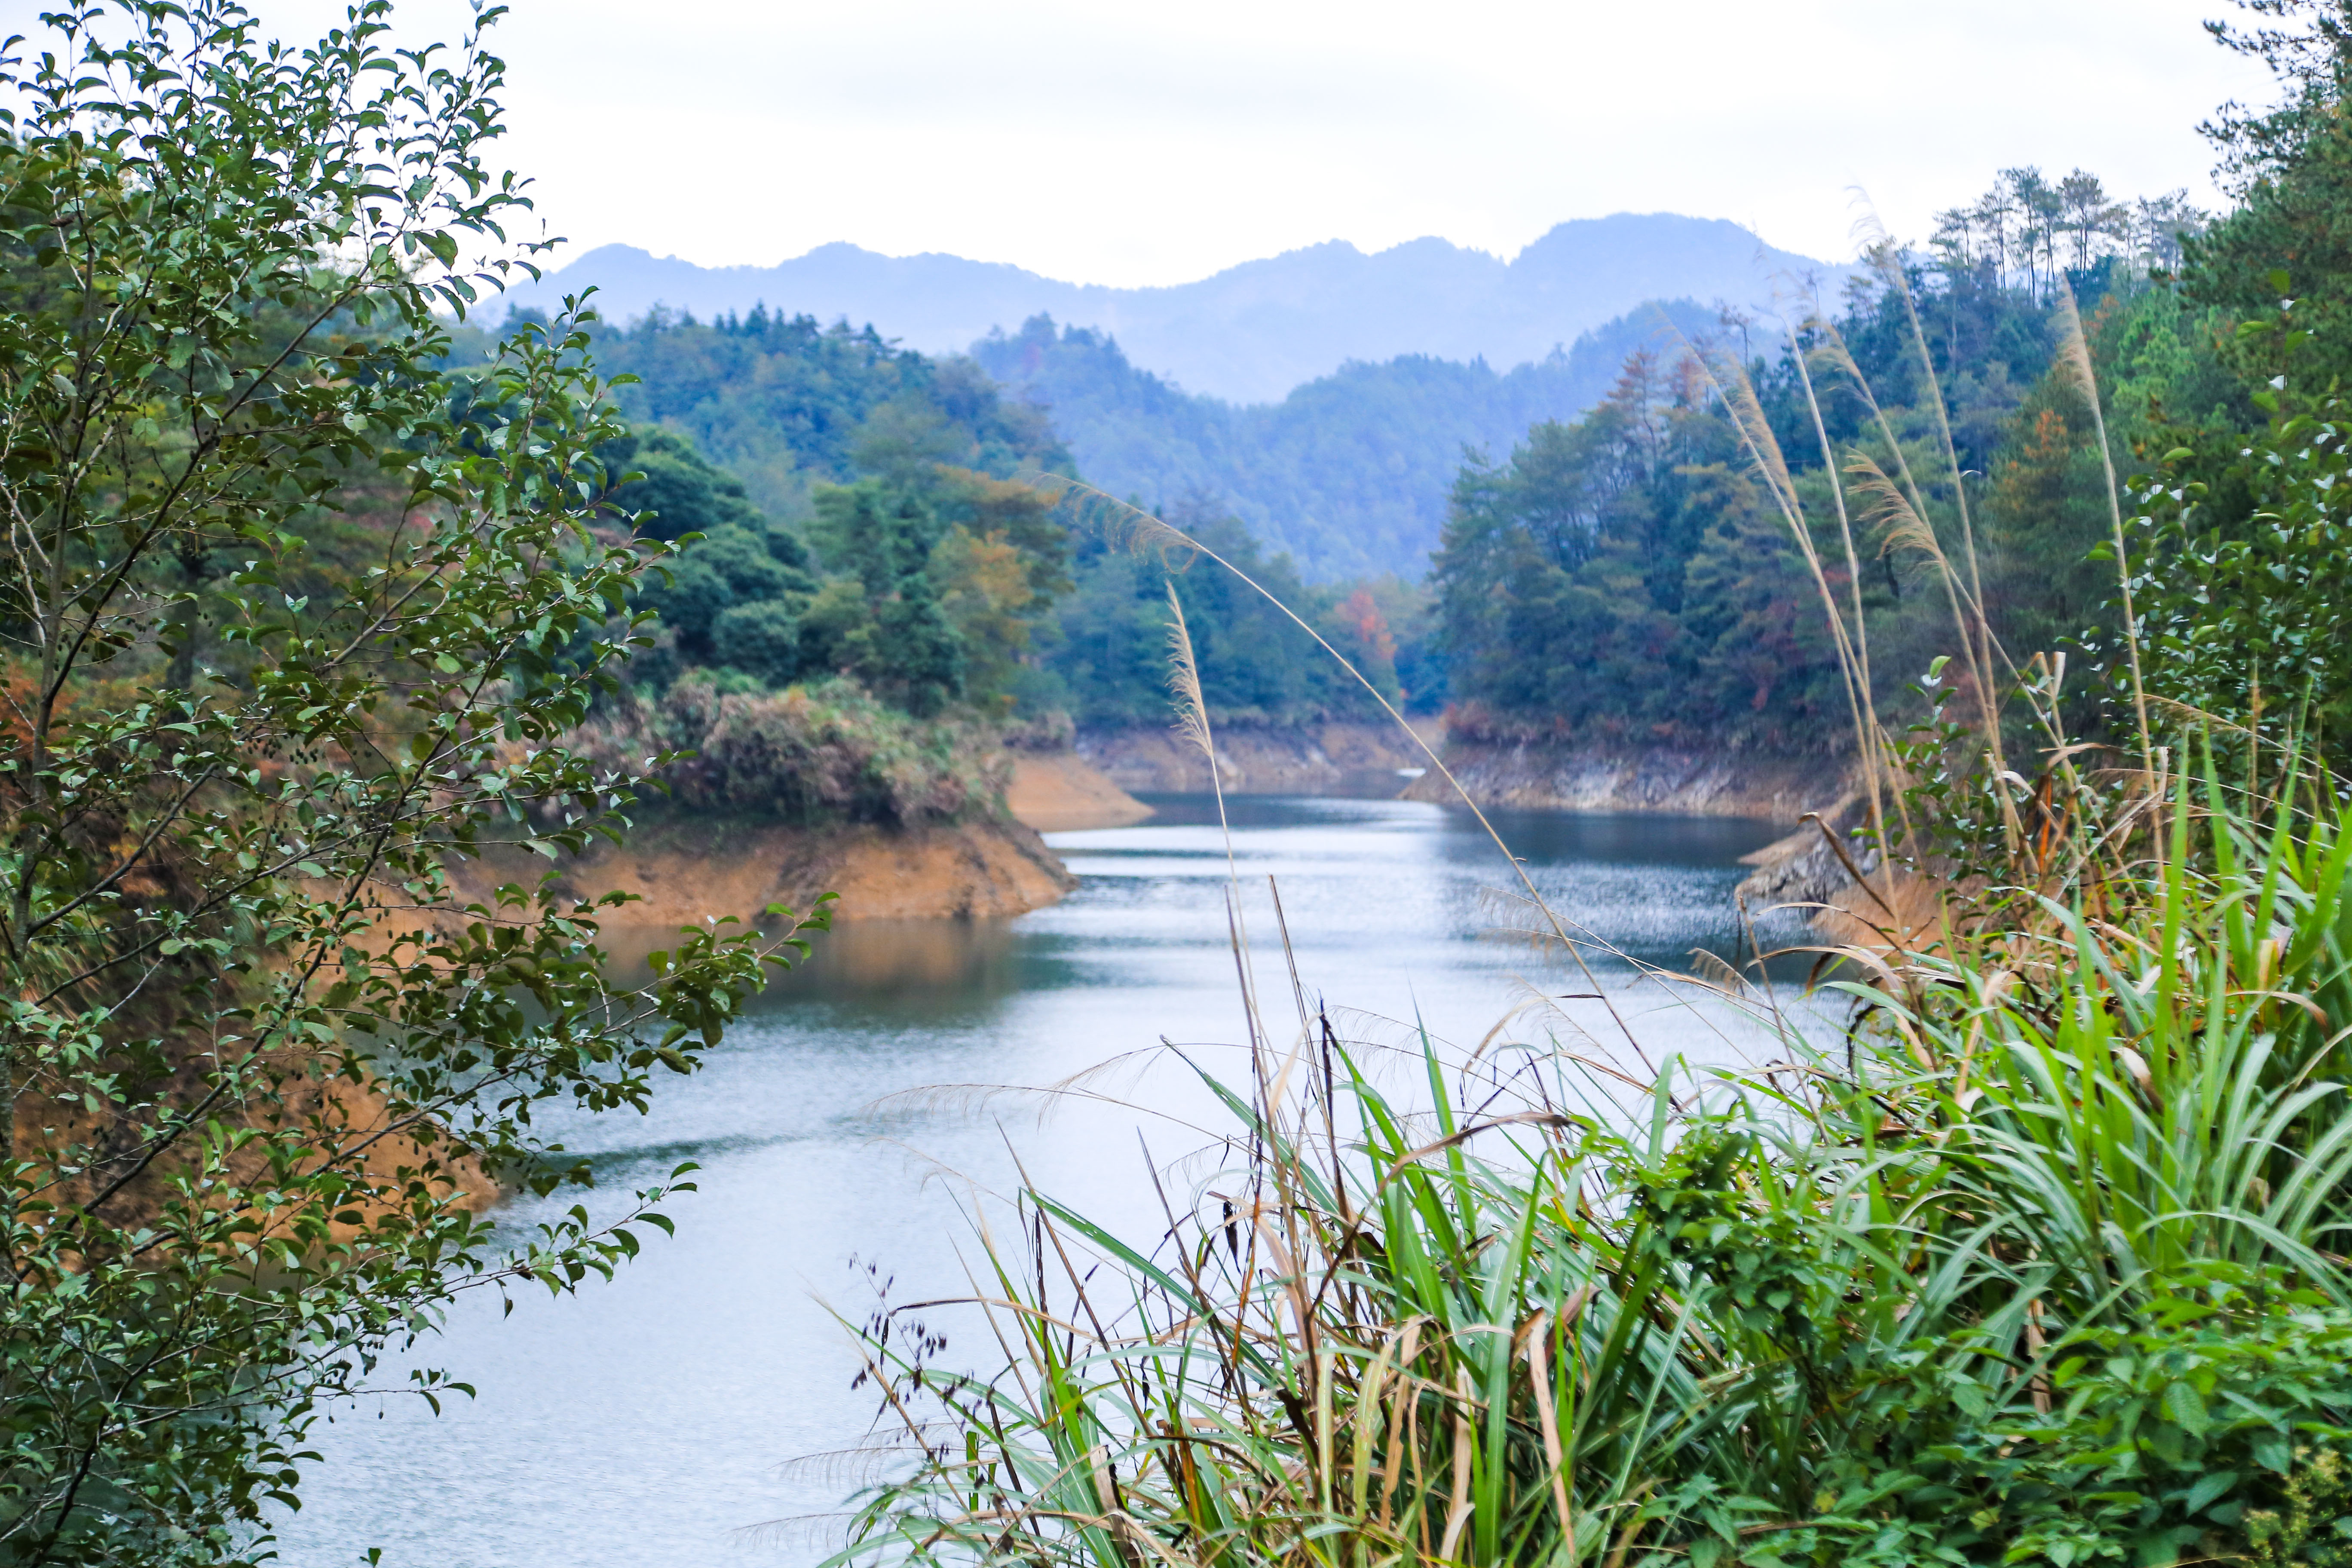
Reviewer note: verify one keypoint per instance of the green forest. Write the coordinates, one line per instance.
(1348, 474)
(1627, 576)
(863, 515)
(1620, 576)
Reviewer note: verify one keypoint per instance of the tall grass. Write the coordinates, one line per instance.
(2041, 1258)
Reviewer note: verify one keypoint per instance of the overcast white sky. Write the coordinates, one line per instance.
(1124, 143)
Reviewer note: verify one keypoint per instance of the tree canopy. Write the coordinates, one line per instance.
(293, 622)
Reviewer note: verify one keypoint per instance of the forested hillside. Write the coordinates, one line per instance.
(1629, 575)
(1609, 561)
(1349, 473)
(862, 517)
(785, 404)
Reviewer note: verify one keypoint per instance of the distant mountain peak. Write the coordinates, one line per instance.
(1252, 332)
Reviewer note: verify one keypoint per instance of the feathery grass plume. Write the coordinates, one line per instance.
(1969, 621)
(1193, 713)
(1885, 260)
(1873, 754)
(1192, 723)
(2074, 354)
(1737, 393)
(1900, 526)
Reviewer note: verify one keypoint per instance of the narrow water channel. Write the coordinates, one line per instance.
(651, 1422)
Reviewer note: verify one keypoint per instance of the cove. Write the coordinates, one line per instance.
(669, 1419)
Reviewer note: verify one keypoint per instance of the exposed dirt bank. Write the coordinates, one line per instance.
(1560, 777)
(684, 870)
(1815, 864)
(1253, 759)
(1055, 792)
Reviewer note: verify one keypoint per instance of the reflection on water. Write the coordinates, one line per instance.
(643, 1423)
(902, 964)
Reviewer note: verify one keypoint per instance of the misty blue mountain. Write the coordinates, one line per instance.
(1252, 333)
(1351, 472)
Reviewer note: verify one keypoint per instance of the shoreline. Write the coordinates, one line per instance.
(1558, 775)
(685, 871)
(1253, 759)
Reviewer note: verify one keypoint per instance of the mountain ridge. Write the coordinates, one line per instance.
(1252, 333)
(1351, 473)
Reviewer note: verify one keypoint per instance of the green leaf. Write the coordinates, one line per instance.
(2186, 1408)
(2208, 1488)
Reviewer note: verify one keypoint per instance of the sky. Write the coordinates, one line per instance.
(1129, 144)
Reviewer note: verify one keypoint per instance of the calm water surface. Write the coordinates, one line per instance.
(648, 1422)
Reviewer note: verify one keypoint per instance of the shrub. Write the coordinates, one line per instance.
(257, 1055)
(826, 752)
(761, 639)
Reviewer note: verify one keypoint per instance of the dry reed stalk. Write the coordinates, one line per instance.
(1888, 266)
(1875, 734)
(1763, 448)
(2074, 353)
(1193, 713)
(1457, 1513)
(1978, 645)
(1192, 721)
(2048, 714)
(1539, 1374)
(1970, 624)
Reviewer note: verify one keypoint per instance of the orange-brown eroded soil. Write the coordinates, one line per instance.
(1061, 791)
(685, 871)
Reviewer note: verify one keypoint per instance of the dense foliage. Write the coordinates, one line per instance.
(786, 404)
(2290, 168)
(809, 755)
(2240, 547)
(1110, 656)
(1631, 575)
(1623, 575)
(290, 624)
(1348, 474)
(866, 521)
(866, 518)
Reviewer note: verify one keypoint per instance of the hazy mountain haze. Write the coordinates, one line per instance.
(1252, 333)
(1141, 144)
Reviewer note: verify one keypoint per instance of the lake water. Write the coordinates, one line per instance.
(650, 1422)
